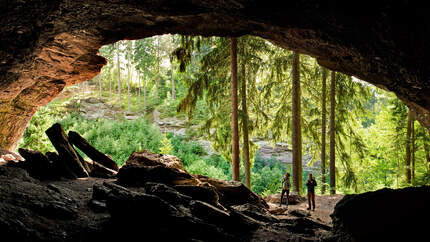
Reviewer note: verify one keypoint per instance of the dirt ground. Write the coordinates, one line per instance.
(324, 207)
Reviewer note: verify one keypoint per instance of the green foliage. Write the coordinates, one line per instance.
(370, 123)
(166, 146)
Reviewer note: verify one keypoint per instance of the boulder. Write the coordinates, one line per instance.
(9, 156)
(38, 165)
(203, 193)
(233, 193)
(255, 212)
(138, 175)
(167, 193)
(294, 198)
(59, 166)
(383, 215)
(92, 152)
(99, 170)
(66, 151)
(147, 158)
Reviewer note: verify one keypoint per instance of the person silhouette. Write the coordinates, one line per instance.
(311, 184)
(285, 189)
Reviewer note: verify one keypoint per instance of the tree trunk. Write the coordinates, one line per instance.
(246, 161)
(413, 150)
(92, 152)
(119, 73)
(66, 151)
(332, 134)
(408, 148)
(138, 84)
(100, 86)
(234, 123)
(171, 71)
(129, 75)
(296, 126)
(144, 96)
(323, 129)
(110, 82)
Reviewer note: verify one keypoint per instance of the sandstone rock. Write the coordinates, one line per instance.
(233, 193)
(294, 198)
(38, 165)
(66, 151)
(9, 156)
(275, 209)
(386, 214)
(59, 166)
(57, 44)
(30, 211)
(99, 170)
(97, 206)
(92, 152)
(135, 175)
(203, 193)
(255, 212)
(167, 193)
(147, 158)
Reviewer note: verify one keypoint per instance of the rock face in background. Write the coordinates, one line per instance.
(383, 215)
(47, 45)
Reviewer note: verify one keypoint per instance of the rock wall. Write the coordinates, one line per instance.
(47, 45)
(383, 215)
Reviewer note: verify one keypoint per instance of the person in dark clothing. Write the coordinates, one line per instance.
(311, 184)
(285, 188)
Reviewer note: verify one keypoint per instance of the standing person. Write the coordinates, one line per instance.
(311, 184)
(285, 188)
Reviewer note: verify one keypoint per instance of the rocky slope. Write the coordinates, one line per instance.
(153, 198)
(47, 45)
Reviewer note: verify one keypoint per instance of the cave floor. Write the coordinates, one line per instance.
(324, 207)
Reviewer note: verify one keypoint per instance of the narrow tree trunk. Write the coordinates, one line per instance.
(82, 144)
(234, 123)
(296, 126)
(100, 85)
(138, 84)
(332, 134)
(323, 129)
(246, 161)
(110, 81)
(171, 71)
(129, 76)
(119, 73)
(60, 141)
(413, 150)
(408, 148)
(144, 96)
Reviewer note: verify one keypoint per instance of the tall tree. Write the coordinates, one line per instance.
(323, 129)
(413, 150)
(332, 134)
(138, 84)
(129, 47)
(172, 67)
(234, 119)
(100, 77)
(119, 72)
(408, 148)
(296, 125)
(245, 149)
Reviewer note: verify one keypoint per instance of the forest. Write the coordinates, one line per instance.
(353, 136)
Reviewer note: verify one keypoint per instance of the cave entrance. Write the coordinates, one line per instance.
(146, 78)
